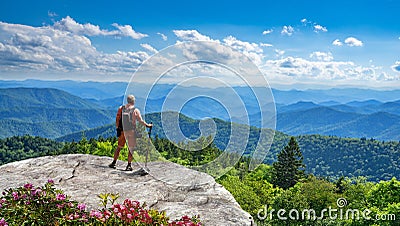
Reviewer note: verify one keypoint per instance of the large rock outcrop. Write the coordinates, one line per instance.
(172, 188)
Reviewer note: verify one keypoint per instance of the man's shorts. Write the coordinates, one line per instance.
(131, 138)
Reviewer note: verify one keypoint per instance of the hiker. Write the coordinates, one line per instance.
(127, 116)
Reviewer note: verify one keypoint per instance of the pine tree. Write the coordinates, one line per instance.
(289, 168)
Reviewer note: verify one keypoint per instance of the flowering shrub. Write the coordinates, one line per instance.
(30, 205)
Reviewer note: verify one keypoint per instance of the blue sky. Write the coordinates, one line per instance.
(294, 43)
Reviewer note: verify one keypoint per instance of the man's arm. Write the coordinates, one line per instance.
(118, 117)
(140, 119)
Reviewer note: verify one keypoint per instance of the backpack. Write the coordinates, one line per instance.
(126, 118)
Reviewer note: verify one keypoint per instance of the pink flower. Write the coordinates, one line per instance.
(81, 206)
(28, 186)
(3, 222)
(50, 181)
(36, 192)
(119, 215)
(129, 216)
(15, 195)
(60, 197)
(96, 214)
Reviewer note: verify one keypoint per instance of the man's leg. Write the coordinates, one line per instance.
(131, 146)
(121, 144)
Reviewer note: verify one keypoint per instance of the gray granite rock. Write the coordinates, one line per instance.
(170, 187)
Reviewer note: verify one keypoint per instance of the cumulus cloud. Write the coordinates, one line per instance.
(301, 69)
(164, 37)
(304, 20)
(66, 47)
(351, 41)
(321, 56)
(251, 50)
(149, 47)
(318, 28)
(53, 49)
(337, 42)
(191, 35)
(269, 31)
(70, 25)
(287, 30)
(127, 31)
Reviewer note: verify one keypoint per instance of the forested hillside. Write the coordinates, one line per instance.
(325, 156)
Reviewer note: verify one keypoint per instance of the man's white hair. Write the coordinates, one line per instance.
(130, 99)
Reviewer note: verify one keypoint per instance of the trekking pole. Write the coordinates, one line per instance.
(147, 153)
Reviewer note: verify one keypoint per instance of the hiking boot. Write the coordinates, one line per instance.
(129, 167)
(112, 165)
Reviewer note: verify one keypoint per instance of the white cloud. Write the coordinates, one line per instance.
(337, 42)
(252, 50)
(267, 32)
(351, 41)
(164, 37)
(191, 35)
(52, 49)
(266, 45)
(302, 70)
(127, 31)
(241, 45)
(58, 50)
(321, 56)
(149, 47)
(287, 30)
(318, 28)
(304, 21)
(70, 25)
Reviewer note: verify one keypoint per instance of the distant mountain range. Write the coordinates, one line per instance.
(106, 90)
(48, 113)
(370, 118)
(84, 105)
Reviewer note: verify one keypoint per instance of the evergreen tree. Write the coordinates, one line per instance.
(289, 168)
